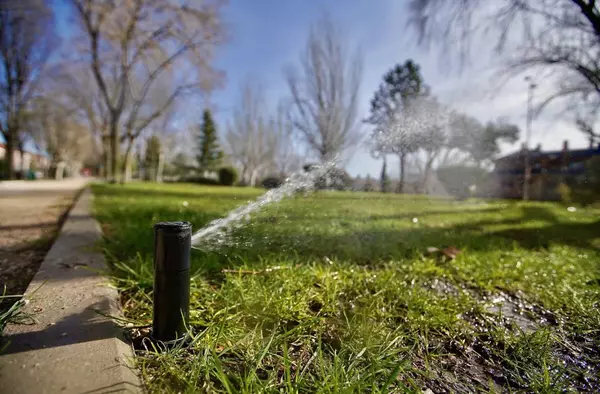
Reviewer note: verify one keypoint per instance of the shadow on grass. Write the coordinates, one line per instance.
(370, 247)
(409, 214)
(194, 193)
(297, 237)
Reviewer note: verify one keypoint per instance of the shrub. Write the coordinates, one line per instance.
(271, 182)
(227, 176)
(340, 179)
(368, 186)
(585, 189)
(336, 178)
(458, 179)
(201, 180)
(564, 191)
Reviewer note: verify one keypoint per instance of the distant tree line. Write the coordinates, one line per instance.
(124, 79)
(409, 122)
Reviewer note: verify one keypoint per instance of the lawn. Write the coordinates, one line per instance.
(343, 292)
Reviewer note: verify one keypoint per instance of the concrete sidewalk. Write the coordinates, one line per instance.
(70, 347)
(44, 184)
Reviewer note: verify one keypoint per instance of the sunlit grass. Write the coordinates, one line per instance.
(337, 292)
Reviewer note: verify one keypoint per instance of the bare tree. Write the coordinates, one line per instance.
(55, 128)
(26, 42)
(324, 93)
(585, 124)
(287, 158)
(140, 40)
(77, 90)
(250, 139)
(560, 36)
(146, 109)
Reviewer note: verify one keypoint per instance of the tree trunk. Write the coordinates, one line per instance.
(160, 167)
(244, 175)
(10, 152)
(106, 156)
(426, 174)
(253, 178)
(402, 161)
(114, 151)
(128, 163)
(22, 163)
(60, 171)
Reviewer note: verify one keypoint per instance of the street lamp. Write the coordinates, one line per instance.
(527, 178)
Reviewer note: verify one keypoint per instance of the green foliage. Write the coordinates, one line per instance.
(369, 184)
(180, 165)
(209, 153)
(481, 143)
(457, 179)
(565, 193)
(228, 176)
(586, 188)
(401, 84)
(152, 156)
(271, 182)
(339, 179)
(336, 293)
(201, 180)
(336, 178)
(384, 180)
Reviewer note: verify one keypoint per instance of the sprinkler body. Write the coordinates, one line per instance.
(172, 245)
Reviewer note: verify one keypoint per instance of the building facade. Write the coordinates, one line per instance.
(29, 159)
(548, 170)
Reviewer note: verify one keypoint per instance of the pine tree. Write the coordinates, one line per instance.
(401, 85)
(209, 153)
(384, 181)
(152, 157)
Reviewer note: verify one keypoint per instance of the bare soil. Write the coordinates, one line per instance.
(29, 222)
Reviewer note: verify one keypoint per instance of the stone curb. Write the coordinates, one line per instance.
(69, 346)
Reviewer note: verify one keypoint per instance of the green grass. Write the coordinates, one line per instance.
(337, 293)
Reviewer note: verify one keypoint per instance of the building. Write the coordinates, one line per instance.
(30, 159)
(548, 170)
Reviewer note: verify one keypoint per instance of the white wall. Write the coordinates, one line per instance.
(42, 161)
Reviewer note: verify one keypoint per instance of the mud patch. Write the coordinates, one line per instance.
(443, 287)
(515, 310)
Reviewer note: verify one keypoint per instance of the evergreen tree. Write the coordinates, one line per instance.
(391, 102)
(385, 181)
(152, 157)
(209, 153)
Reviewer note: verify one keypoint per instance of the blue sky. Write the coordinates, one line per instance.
(266, 35)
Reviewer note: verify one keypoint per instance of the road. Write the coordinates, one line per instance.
(30, 212)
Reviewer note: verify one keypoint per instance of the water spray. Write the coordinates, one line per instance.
(215, 233)
(172, 246)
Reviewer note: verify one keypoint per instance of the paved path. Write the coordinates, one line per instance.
(69, 346)
(29, 216)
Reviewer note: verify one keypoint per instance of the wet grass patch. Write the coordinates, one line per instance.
(343, 292)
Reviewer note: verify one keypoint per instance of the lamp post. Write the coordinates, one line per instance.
(527, 172)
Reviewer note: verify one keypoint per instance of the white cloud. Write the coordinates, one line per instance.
(477, 91)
